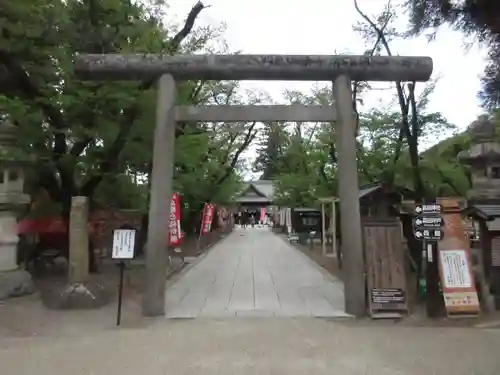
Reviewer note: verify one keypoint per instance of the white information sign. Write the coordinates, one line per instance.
(123, 243)
(455, 269)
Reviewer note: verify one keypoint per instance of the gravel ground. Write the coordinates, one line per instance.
(256, 346)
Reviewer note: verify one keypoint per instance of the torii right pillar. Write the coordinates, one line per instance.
(350, 218)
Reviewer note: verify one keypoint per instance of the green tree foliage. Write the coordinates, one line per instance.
(307, 161)
(271, 144)
(78, 130)
(390, 139)
(478, 19)
(294, 155)
(95, 138)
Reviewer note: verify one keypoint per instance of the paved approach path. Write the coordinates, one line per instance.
(253, 272)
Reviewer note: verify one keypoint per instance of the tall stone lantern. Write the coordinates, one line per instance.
(483, 157)
(13, 280)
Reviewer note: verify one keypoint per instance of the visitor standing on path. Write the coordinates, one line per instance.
(244, 219)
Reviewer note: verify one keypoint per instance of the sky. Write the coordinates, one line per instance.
(325, 27)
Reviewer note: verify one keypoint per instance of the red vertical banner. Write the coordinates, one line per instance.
(175, 234)
(262, 214)
(208, 214)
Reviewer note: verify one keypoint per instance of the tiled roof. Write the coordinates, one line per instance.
(252, 200)
(262, 187)
(266, 187)
(485, 211)
(366, 191)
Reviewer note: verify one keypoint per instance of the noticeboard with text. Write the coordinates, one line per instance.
(457, 278)
(123, 244)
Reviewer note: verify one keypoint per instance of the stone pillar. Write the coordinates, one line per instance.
(80, 292)
(13, 280)
(350, 219)
(78, 241)
(323, 229)
(159, 206)
(333, 228)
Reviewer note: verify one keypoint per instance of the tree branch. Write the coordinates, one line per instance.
(249, 137)
(177, 40)
(356, 84)
(322, 173)
(412, 139)
(130, 114)
(381, 37)
(29, 90)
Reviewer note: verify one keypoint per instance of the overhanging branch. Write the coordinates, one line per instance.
(30, 91)
(249, 137)
(132, 113)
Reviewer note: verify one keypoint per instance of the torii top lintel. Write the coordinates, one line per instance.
(253, 67)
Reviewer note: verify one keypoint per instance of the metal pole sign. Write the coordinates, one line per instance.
(428, 223)
(428, 228)
(123, 249)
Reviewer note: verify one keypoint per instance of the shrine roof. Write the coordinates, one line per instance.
(482, 128)
(483, 211)
(467, 156)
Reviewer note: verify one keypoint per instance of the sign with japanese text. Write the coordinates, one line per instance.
(428, 222)
(208, 214)
(123, 244)
(428, 209)
(175, 234)
(428, 234)
(455, 268)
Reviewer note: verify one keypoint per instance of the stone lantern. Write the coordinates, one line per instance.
(484, 160)
(13, 280)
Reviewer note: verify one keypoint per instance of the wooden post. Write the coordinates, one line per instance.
(350, 224)
(161, 192)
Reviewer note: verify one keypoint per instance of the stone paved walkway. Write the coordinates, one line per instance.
(253, 272)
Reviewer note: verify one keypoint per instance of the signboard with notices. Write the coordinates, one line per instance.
(495, 252)
(455, 269)
(387, 295)
(123, 244)
(457, 280)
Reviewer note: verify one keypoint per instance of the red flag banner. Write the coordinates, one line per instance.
(262, 214)
(175, 235)
(208, 214)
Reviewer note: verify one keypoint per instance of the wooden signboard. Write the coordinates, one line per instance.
(455, 267)
(495, 252)
(385, 269)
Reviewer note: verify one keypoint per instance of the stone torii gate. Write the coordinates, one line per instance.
(169, 69)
